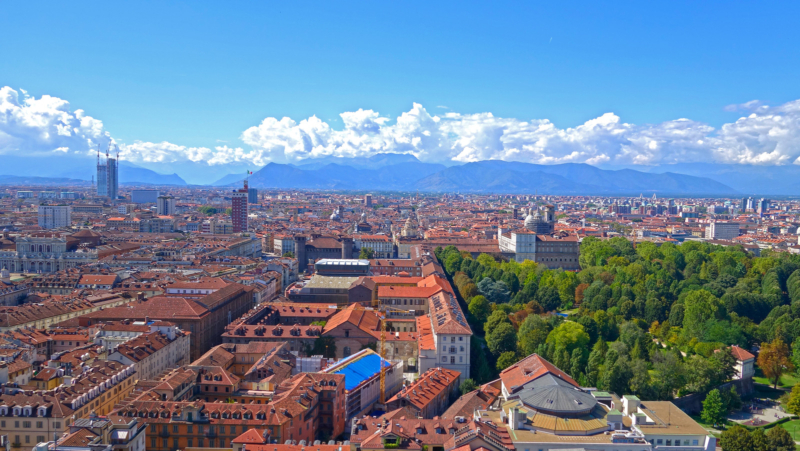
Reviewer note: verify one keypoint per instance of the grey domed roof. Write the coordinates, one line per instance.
(558, 399)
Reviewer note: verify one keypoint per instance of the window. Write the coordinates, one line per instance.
(233, 429)
(452, 360)
(56, 425)
(452, 339)
(190, 428)
(39, 438)
(444, 359)
(346, 333)
(461, 359)
(39, 424)
(152, 442)
(153, 428)
(694, 442)
(175, 428)
(189, 443)
(175, 443)
(26, 424)
(27, 439)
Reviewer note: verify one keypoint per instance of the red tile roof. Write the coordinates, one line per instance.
(528, 369)
(741, 354)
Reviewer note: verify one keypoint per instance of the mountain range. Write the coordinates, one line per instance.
(401, 172)
(382, 172)
(75, 170)
(748, 179)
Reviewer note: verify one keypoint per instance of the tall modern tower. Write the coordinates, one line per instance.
(165, 206)
(108, 176)
(239, 209)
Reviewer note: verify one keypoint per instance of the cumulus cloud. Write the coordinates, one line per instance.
(38, 126)
(767, 135)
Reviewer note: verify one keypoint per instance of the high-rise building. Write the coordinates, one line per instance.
(145, 196)
(165, 206)
(239, 209)
(722, 231)
(368, 200)
(763, 206)
(55, 216)
(252, 195)
(107, 177)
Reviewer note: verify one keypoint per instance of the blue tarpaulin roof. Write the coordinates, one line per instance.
(360, 370)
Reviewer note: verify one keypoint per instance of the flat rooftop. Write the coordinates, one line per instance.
(342, 262)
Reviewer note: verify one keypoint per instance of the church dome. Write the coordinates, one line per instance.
(529, 220)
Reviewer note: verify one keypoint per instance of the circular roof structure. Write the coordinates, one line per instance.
(559, 400)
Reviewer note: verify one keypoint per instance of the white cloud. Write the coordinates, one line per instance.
(32, 126)
(747, 106)
(767, 135)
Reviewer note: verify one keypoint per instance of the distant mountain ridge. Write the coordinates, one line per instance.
(749, 179)
(491, 176)
(57, 169)
(130, 174)
(29, 180)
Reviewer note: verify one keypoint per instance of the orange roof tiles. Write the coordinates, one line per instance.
(528, 369)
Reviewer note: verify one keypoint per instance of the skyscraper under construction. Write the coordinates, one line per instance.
(107, 176)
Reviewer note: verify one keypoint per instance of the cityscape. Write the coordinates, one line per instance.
(217, 243)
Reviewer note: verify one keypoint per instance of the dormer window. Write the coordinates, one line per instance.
(439, 431)
(419, 430)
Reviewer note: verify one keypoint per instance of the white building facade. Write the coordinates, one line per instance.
(55, 216)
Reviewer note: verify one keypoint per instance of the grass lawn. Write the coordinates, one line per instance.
(763, 391)
(570, 312)
(787, 380)
(793, 427)
(719, 427)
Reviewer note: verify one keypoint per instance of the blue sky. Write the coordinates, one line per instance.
(198, 73)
